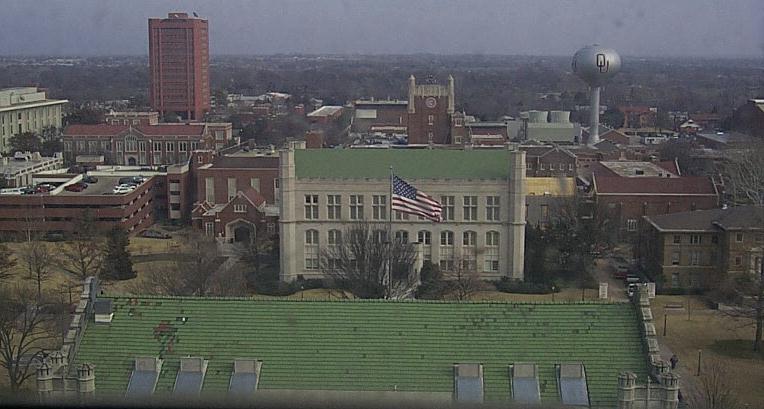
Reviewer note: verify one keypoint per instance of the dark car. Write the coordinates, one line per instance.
(125, 180)
(90, 179)
(76, 187)
(153, 234)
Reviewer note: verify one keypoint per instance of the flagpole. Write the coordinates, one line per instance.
(390, 237)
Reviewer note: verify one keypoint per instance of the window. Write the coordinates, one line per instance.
(183, 146)
(430, 119)
(491, 251)
(492, 209)
(562, 166)
(131, 143)
(401, 215)
(402, 236)
(675, 258)
(170, 146)
(231, 188)
(311, 250)
(694, 258)
(379, 236)
(209, 229)
(429, 137)
(194, 146)
(239, 208)
(447, 202)
(209, 190)
(677, 239)
(157, 146)
(379, 207)
(67, 146)
(447, 250)
(311, 207)
(270, 228)
(142, 146)
(675, 280)
(255, 183)
(738, 260)
(695, 239)
(631, 224)
(356, 207)
(334, 238)
(739, 237)
(424, 237)
(334, 206)
(469, 251)
(470, 208)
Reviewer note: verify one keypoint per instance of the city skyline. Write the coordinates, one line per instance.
(650, 28)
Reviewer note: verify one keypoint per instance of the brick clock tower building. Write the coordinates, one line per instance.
(430, 107)
(179, 66)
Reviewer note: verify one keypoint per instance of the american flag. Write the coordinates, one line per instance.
(407, 199)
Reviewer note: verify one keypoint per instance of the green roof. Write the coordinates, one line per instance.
(407, 163)
(363, 345)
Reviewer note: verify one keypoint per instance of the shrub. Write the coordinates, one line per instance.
(508, 285)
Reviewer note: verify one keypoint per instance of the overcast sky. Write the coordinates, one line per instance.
(723, 28)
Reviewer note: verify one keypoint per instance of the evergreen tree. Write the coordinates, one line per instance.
(117, 264)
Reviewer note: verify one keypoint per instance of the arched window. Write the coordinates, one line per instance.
(424, 237)
(131, 143)
(447, 250)
(469, 251)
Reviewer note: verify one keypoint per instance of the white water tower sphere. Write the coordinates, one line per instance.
(595, 64)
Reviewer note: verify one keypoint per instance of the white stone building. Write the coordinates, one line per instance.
(25, 109)
(322, 191)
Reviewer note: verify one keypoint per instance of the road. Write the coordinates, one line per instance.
(603, 272)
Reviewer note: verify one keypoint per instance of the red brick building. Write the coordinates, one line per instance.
(179, 66)
(430, 107)
(549, 161)
(132, 118)
(149, 145)
(380, 115)
(639, 116)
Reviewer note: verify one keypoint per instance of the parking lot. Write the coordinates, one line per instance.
(105, 184)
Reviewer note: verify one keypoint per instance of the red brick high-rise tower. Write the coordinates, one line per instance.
(430, 107)
(179, 65)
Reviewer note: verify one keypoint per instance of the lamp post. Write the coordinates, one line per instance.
(553, 289)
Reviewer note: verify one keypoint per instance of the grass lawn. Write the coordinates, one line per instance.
(719, 337)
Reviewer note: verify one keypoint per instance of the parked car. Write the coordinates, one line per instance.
(90, 179)
(631, 289)
(153, 234)
(122, 189)
(76, 187)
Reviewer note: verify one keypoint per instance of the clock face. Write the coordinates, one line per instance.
(430, 102)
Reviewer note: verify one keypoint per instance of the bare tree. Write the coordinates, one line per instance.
(7, 262)
(83, 258)
(23, 333)
(464, 281)
(743, 174)
(39, 260)
(715, 388)
(361, 258)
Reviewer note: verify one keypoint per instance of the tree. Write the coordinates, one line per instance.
(613, 118)
(7, 262)
(23, 331)
(432, 286)
(261, 257)
(117, 264)
(536, 248)
(465, 280)
(677, 149)
(39, 259)
(25, 142)
(715, 388)
(84, 115)
(83, 256)
(359, 262)
(744, 178)
(198, 265)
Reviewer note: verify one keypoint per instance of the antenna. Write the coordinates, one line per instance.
(595, 65)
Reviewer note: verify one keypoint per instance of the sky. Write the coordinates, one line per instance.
(706, 28)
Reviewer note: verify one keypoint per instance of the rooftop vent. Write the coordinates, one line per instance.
(190, 376)
(525, 383)
(468, 382)
(103, 310)
(143, 379)
(571, 379)
(245, 377)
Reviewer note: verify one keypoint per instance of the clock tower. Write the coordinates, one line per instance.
(430, 107)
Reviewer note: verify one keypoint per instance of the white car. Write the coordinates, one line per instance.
(123, 189)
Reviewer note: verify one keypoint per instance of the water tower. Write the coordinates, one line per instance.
(595, 65)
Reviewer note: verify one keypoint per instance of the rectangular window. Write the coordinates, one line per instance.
(209, 190)
(209, 229)
(631, 224)
(379, 207)
(183, 146)
(430, 119)
(170, 146)
(255, 183)
(424, 237)
(311, 250)
(231, 188)
(675, 280)
(695, 239)
(491, 251)
(311, 207)
(142, 146)
(739, 237)
(677, 239)
(447, 202)
(356, 207)
(675, 258)
(334, 206)
(402, 236)
(695, 258)
(401, 215)
(447, 250)
(738, 260)
(157, 146)
(470, 208)
(119, 146)
(492, 209)
(469, 251)
(240, 208)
